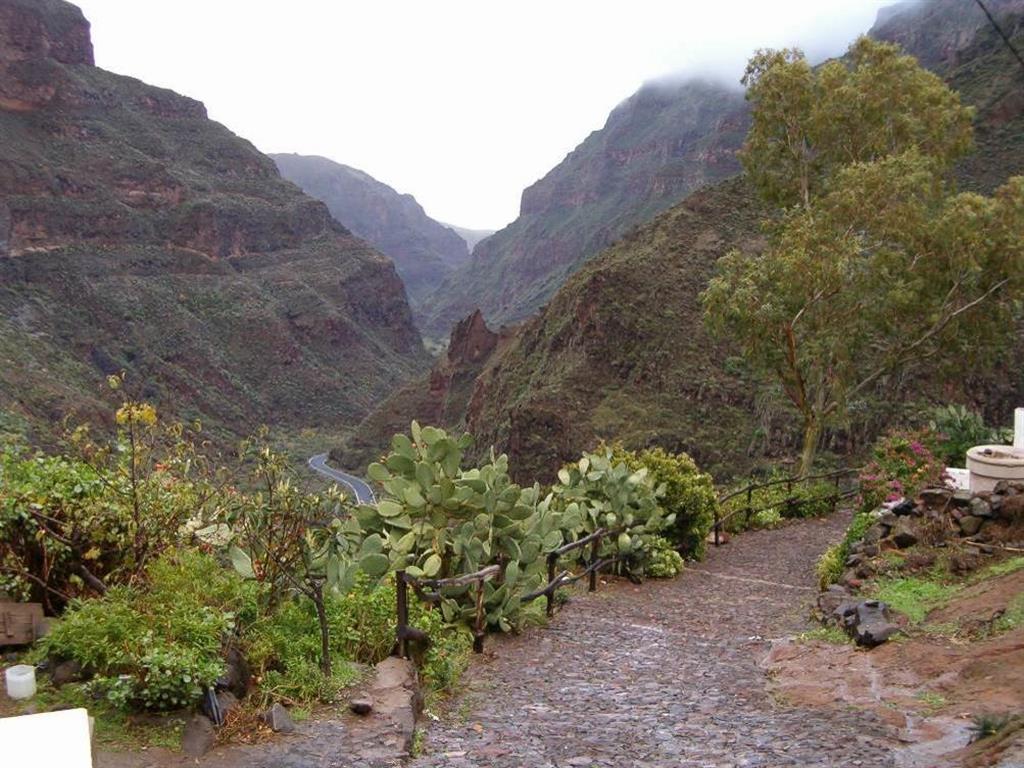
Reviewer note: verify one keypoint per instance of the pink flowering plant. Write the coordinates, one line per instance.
(903, 462)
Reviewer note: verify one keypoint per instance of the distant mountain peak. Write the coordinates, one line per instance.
(424, 250)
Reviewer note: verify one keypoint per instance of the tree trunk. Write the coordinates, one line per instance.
(325, 638)
(812, 435)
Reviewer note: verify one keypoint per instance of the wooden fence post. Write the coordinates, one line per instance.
(550, 597)
(478, 628)
(402, 598)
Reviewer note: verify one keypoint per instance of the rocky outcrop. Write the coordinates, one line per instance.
(424, 251)
(441, 397)
(36, 37)
(138, 235)
(938, 32)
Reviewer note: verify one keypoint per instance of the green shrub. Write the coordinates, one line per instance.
(438, 519)
(688, 493)
(663, 561)
(903, 462)
(958, 429)
(832, 562)
(449, 652)
(70, 526)
(156, 645)
(766, 518)
(829, 567)
(284, 649)
(608, 493)
(778, 500)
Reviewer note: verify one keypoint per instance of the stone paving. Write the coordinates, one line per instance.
(662, 674)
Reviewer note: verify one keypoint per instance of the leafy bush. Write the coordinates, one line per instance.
(663, 561)
(437, 519)
(778, 500)
(958, 429)
(449, 652)
(829, 567)
(75, 525)
(156, 645)
(284, 649)
(832, 562)
(903, 462)
(688, 493)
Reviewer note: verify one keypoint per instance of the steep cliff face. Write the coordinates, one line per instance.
(36, 36)
(938, 32)
(424, 251)
(137, 235)
(655, 148)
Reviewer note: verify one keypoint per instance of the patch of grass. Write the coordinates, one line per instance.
(113, 727)
(419, 738)
(829, 634)
(931, 702)
(988, 724)
(914, 597)
(1012, 565)
(1013, 617)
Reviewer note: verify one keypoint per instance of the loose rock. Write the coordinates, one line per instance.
(361, 706)
(867, 622)
(278, 719)
(237, 675)
(905, 507)
(66, 672)
(198, 736)
(904, 536)
(970, 525)
(980, 508)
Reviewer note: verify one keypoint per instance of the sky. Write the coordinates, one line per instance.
(462, 103)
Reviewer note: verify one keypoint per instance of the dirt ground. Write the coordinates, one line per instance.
(927, 687)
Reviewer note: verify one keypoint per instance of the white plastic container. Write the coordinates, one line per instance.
(21, 681)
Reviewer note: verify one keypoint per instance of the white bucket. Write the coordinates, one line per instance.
(21, 681)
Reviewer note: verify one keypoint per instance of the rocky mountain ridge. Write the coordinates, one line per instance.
(138, 235)
(656, 147)
(424, 250)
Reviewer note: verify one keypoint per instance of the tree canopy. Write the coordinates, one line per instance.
(874, 261)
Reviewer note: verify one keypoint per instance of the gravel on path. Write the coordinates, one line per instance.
(661, 674)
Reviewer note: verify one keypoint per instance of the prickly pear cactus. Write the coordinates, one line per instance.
(436, 519)
(604, 493)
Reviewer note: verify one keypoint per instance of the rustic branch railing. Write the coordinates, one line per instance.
(403, 581)
(594, 564)
(790, 501)
(429, 590)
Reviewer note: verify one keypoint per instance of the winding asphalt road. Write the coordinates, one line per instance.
(362, 491)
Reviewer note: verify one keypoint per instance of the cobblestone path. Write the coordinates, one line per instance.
(663, 674)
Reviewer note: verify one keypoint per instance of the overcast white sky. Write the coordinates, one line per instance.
(462, 103)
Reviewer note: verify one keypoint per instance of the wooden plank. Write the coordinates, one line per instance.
(20, 623)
